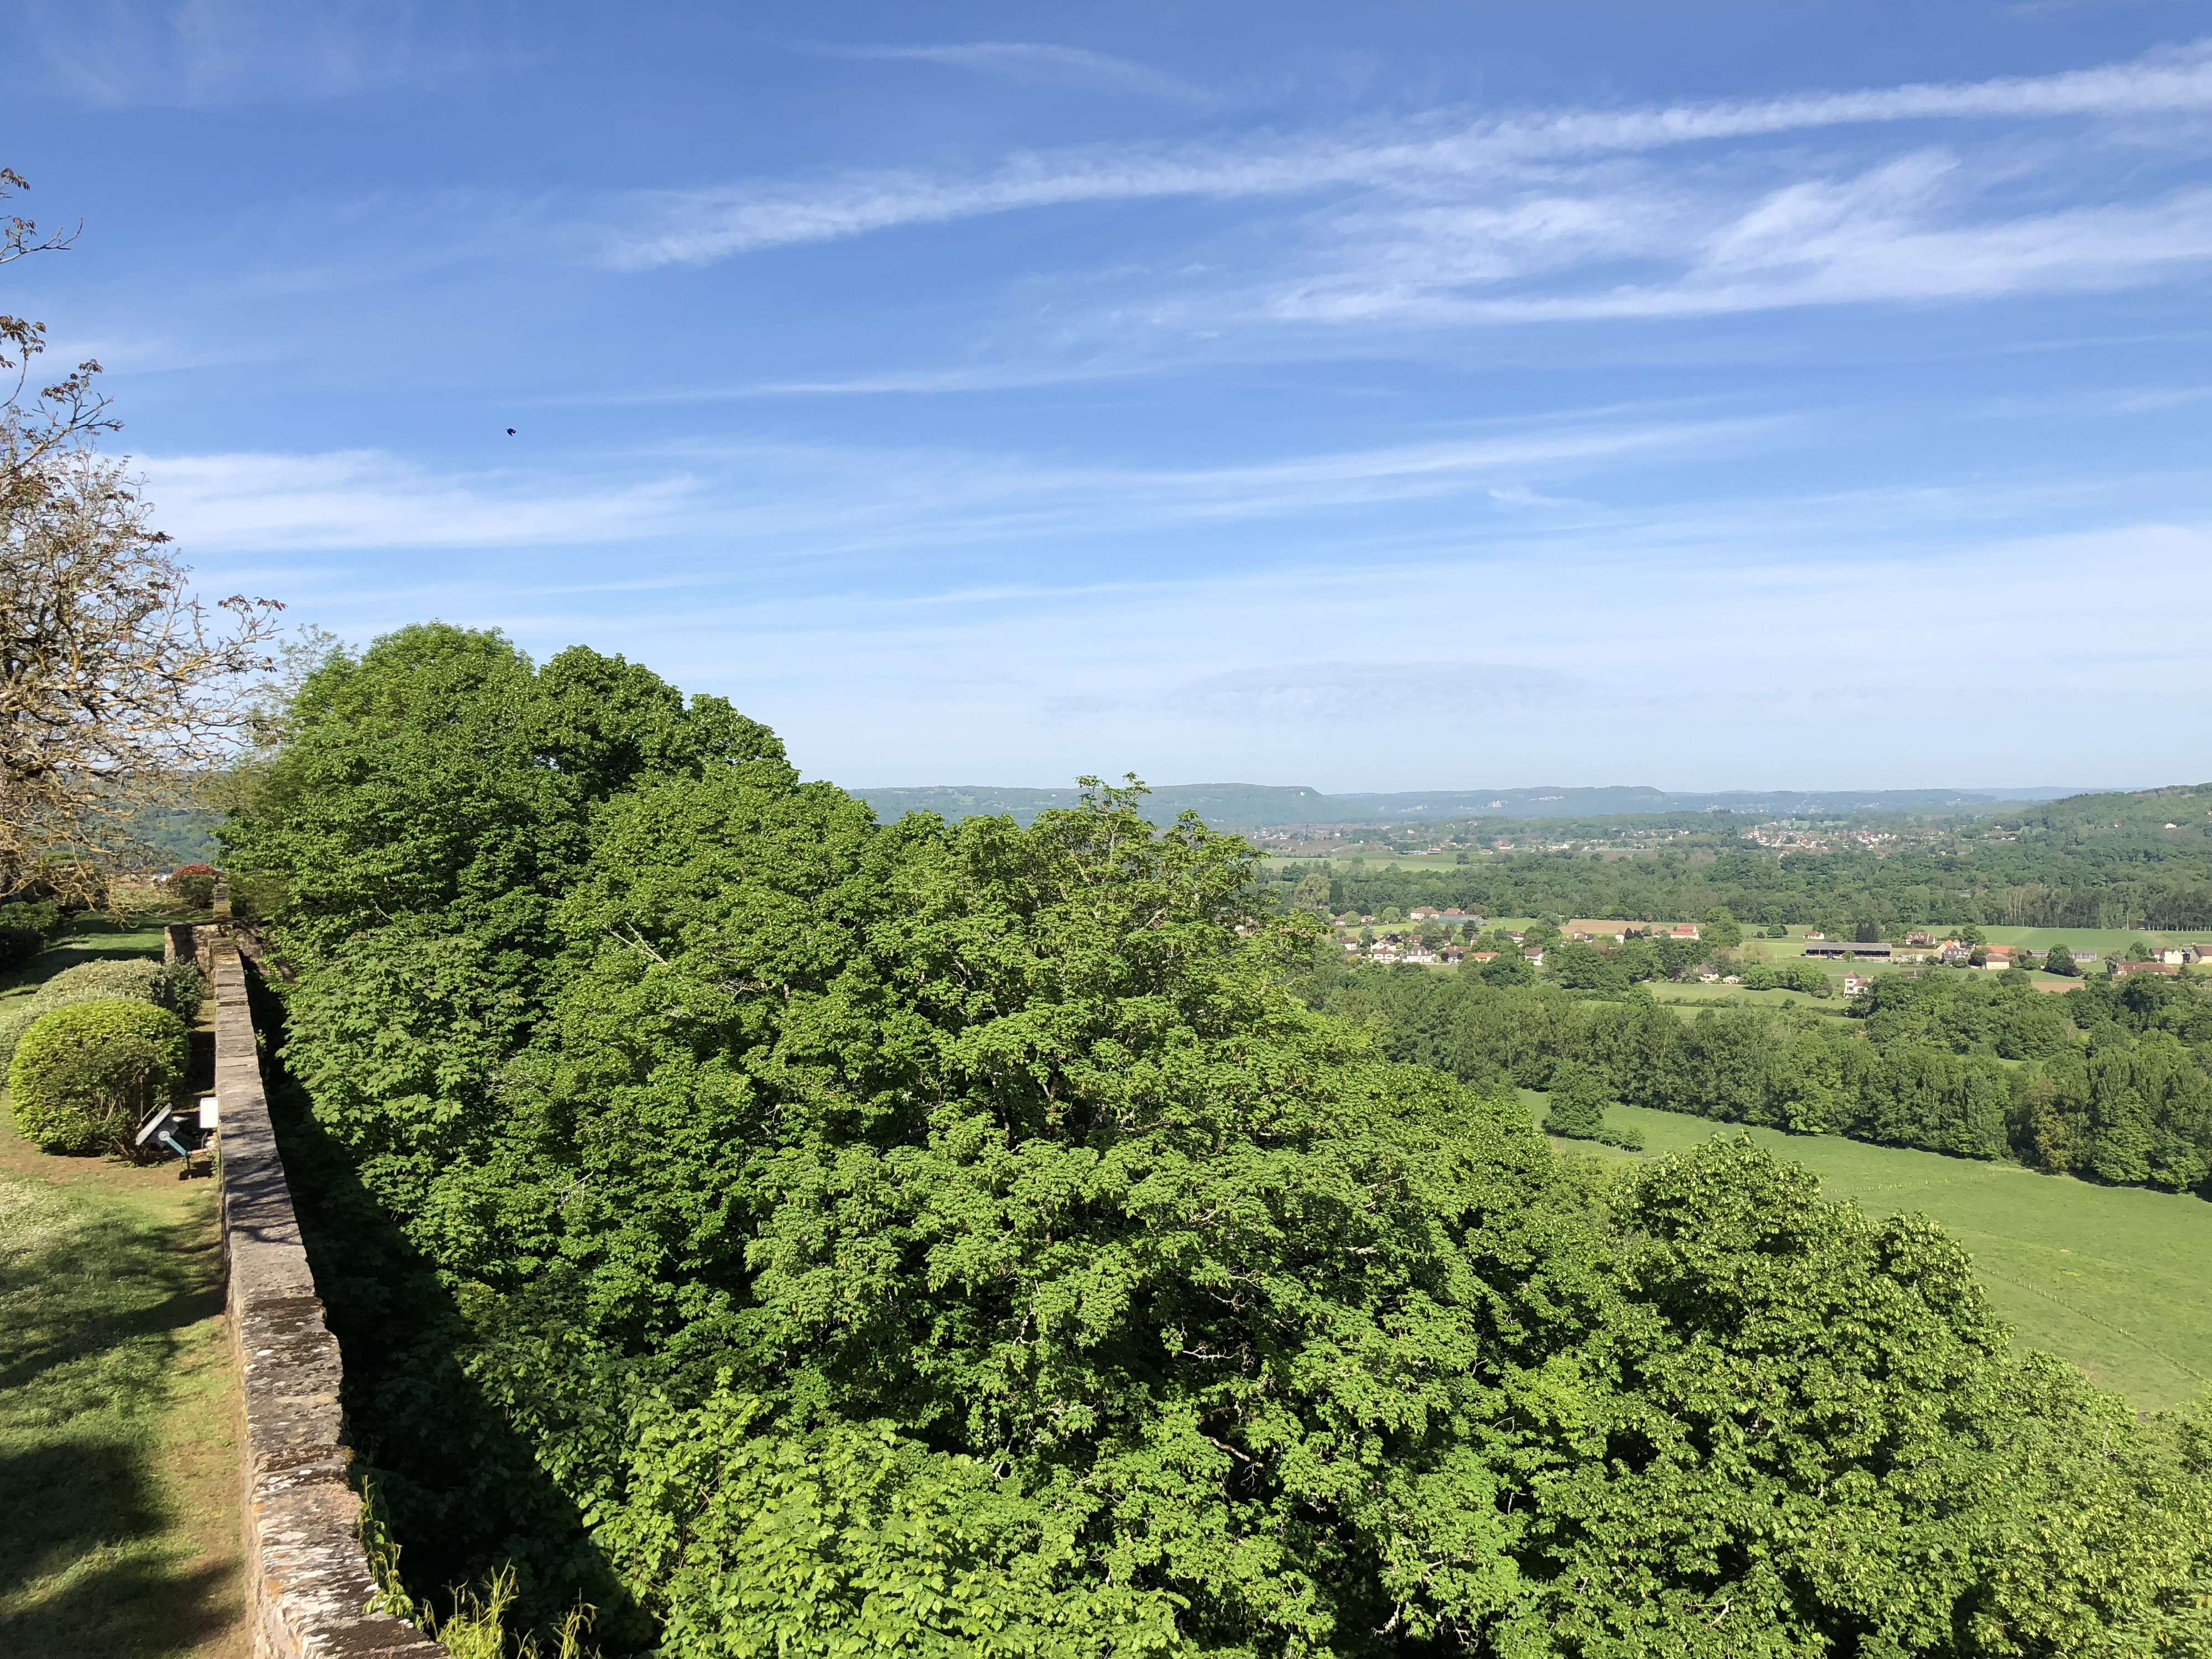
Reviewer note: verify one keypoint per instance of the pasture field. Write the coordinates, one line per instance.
(2117, 1280)
(1378, 861)
(2105, 941)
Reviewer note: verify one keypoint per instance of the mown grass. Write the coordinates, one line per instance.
(2118, 1279)
(92, 938)
(118, 1449)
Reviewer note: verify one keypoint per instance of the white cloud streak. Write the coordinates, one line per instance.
(1038, 64)
(819, 502)
(699, 226)
(368, 499)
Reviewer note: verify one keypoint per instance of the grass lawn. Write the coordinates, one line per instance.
(118, 1403)
(92, 938)
(2118, 1279)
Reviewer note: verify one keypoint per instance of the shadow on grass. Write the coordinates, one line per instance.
(455, 1484)
(93, 1309)
(95, 939)
(84, 1571)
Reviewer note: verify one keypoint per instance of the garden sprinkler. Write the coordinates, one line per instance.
(168, 1128)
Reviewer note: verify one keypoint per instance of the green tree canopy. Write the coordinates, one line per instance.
(962, 1240)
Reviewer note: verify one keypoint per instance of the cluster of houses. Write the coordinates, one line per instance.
(1402, 947)
(1920, 943)
(2169, 959)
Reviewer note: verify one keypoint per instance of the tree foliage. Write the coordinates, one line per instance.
(961, 1240)
(2116, 1082)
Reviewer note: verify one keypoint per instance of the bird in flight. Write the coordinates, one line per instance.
(510, 431)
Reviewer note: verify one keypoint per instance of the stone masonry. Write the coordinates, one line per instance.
(307, 1577)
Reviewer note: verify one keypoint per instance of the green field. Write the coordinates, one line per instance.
(2118, 1279)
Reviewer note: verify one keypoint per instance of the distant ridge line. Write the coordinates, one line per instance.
(1252, 805)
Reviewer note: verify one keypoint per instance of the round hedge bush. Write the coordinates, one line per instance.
(84, 1077)
(179, 987)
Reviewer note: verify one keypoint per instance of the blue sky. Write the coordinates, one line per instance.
(1384, 397)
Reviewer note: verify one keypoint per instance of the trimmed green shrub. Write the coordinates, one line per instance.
(84, 1077)
(193, 892)
(178, 987)
(15, 1018)
(42, 917)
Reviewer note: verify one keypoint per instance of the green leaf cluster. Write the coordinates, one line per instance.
(917, 1239)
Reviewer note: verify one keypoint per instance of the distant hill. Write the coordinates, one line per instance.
(1255, 805)
(1223, 805)
(1564, 801)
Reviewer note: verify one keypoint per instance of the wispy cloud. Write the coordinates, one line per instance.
(1433, 154)
(207, 53)
(1037, 64)
(1897, 232)
(821, 501)
(367, 499)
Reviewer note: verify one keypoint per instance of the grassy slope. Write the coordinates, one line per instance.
(2117, 1280)
(118, 1454)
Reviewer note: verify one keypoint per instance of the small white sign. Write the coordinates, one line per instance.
(210, 1111)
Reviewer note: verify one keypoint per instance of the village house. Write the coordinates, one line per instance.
(1951, 951)
(1482, 956)
(1919, 938)
(1685, 930)
(1536, 956)
(1582, 928)
(1854, 986)
(2124, 969)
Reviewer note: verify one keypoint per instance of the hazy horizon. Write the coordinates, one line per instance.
(1356, 396)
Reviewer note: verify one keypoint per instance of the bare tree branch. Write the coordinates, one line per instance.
(118, 690)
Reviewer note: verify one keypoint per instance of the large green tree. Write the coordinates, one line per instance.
(961, 1241)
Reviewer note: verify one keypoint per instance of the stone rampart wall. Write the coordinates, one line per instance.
(308, 1578)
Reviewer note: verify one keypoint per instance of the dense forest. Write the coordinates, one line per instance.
(2112, 1082)
(797, 1234)
(2088, 861)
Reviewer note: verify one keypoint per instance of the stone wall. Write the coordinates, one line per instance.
(308, 1579)
(192, 942)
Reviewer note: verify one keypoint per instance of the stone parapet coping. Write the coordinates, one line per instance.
(308, 1577)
